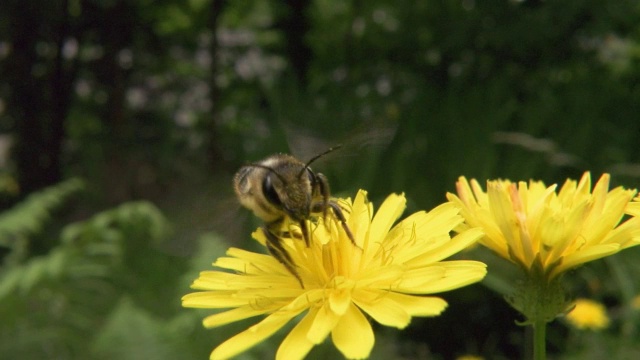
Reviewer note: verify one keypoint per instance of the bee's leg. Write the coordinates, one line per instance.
(305, 231)
(323, 186)
(280, 253)
(337, 211)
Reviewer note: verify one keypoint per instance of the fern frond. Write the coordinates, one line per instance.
(71, 290)
(134, 220)
(29, 217)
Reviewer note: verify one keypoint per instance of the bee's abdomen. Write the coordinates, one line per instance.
(251, 195)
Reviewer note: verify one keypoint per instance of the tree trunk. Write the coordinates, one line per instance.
(40, 90)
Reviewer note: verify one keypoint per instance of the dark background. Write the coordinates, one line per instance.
(123, 121)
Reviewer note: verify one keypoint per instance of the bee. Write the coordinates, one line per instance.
(281, 187)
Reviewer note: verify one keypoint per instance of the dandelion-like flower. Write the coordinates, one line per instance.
(469, 357)
(385, 276)
(536, 227)
(635, 303)
(588, 314)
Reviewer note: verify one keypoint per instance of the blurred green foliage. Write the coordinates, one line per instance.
(155, 104)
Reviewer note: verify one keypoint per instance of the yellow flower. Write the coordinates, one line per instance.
(469, 357)
(588, 314)
(385, 277)
(533, 225)
(635, 302)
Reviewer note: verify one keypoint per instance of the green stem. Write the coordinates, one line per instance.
(539, 340)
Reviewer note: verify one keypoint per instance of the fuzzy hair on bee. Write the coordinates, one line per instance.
(282, 187)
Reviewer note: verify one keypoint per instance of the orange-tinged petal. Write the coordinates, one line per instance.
(504, 217)
(562, 229)
(464, 191)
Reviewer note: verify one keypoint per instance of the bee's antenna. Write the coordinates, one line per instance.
(306, 166)
(272, 170)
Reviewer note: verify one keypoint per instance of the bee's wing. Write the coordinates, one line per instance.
(197, 210)
(305, 145)
(553, 152)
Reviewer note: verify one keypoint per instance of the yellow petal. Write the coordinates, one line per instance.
(259, 236)
(453, 274)
(601, 188)
(360, 217)
(212, 299)
(444, 216)
(552, 231)
(324, 322)
(339, 301)
(504, 217)
(445, 250)
(248, 262)
(353, 335)
(218, 280)
(627, 234)
(440, 220)
(419, 305)
(394, 309)
(584, 186)
(602, 223)
(568, 237)
(476, 213)
(389, 212)
(382, 308)
(380, 277)
(633, 208)
(230, 316)
(253, 335)
(213, 280)
(580, 257)
(419, 277)
(464, 192)
(297, 345)
(494, 239)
